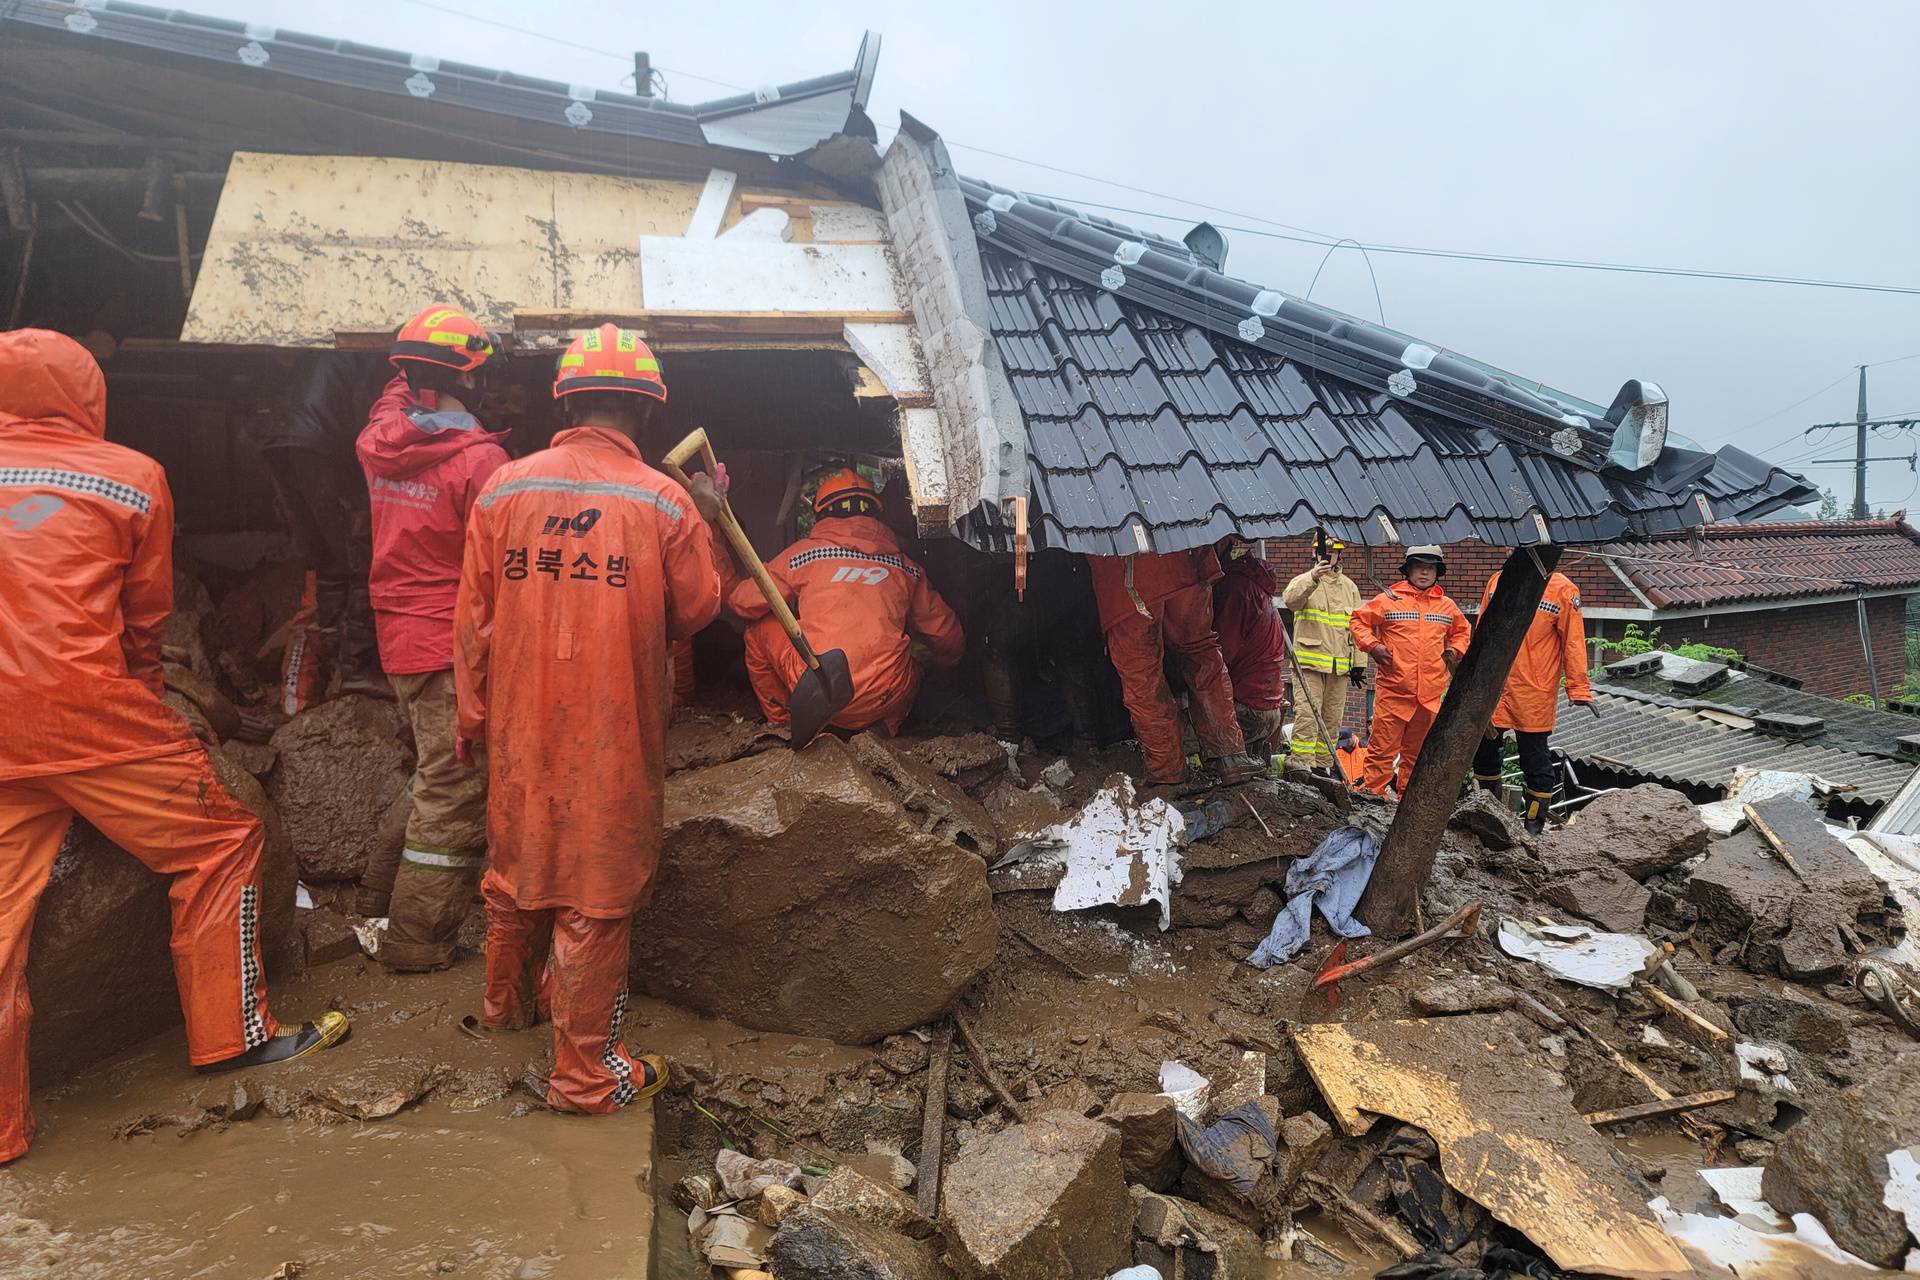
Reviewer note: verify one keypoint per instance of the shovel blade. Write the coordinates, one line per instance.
(820, 694)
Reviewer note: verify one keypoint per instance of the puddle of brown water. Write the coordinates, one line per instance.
(465, 1188)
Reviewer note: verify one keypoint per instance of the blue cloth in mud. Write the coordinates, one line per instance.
(1332, 877)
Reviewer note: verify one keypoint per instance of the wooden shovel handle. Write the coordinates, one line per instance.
(675, 463)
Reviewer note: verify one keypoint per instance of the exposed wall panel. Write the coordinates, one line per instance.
(742, 274)
(305, 246)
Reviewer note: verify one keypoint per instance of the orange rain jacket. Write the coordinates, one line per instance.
(582, 565)
(853, 590)
(1419, 628)
(86, 571)
(1555, 647)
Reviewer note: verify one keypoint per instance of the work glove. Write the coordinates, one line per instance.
(463, 750)
(1452, 660)
(1590, 707)
(1382, 657)
(1357, 677)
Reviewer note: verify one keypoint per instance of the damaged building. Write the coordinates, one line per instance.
(856, 952)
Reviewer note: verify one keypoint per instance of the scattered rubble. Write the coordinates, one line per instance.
(815, 1245)
(1834, 1164)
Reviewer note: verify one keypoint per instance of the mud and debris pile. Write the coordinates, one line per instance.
(952, 1007)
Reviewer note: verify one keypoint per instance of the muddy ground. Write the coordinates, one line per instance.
(420, 1149)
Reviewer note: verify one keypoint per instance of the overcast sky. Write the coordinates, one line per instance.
(1764, 137)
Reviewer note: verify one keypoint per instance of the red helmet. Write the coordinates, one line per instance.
(446, 336)
(846, 489)
(609, 359)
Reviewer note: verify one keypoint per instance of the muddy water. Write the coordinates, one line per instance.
(470, 1182)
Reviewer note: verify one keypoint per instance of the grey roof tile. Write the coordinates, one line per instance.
(1152, 405)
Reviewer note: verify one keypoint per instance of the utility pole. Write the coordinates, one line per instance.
(1860, 451)
(1860, 459)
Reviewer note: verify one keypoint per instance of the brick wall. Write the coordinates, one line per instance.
(1818, 644)
(1469, 565)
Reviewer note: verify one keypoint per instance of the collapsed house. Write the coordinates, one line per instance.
(197, 199)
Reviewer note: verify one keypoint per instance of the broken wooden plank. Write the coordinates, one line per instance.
(1774, 842)
(933, 1121)
(1341, 1205)
(1681, 1011)
(984, 1065)
(1508, 1134)
(1667, 1107)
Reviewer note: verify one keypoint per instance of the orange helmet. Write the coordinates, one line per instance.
(446, 336)
(610, 359)
(846, 489)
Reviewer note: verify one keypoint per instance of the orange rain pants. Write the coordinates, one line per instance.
(171, 813)
(1147, 602)
(1419, 628)
(575, 968)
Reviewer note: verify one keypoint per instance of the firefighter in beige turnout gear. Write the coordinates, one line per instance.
(1322, 601)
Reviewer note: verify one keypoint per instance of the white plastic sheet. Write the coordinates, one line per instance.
(1122, 852)
(1187, 1087)
(1590, 957)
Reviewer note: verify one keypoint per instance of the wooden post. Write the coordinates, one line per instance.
(1406, 856)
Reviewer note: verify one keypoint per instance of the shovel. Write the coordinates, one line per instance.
(826, 686)
(1337, 967)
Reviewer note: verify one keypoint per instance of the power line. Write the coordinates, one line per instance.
(1474, 255)
(596, 50)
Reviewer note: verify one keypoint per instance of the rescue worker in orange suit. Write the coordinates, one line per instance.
(1148, 601)
(1414, 634)
(1554, 649)
(583, 565)
(426, 457)
(852, 589)
(86, 584)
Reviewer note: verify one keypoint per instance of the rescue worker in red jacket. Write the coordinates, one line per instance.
(426, 457)
(852, 589)
(1148, 601)
(583, 564)
(1253, 642)
(1415, 635)
(86, 583)
(1554, 649)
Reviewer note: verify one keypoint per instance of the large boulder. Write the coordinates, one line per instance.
(795, 894)
(1744, 893)
(1040, 1201)
(100, 969)
(1642, 830)
(1833, 1164)
(1605, 895)
(341, 767)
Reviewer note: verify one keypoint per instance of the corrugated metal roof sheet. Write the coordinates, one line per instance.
(1772, 561)
(1655, 729)
(1847, 727)
(1167, 405)
(1674, 744)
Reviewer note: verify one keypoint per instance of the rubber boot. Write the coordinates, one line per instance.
(1239, 767)
(323, 1033)
(1489, 783)
(1535, 820)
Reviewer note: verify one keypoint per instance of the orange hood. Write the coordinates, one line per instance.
(47, 377)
